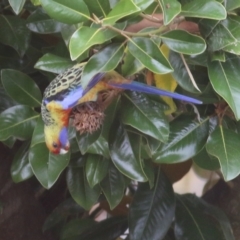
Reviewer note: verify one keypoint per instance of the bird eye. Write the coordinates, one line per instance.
(55, 145)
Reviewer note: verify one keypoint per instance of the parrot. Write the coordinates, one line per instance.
(66, 91)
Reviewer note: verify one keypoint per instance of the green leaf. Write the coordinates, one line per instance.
(103, 61)
(21, 87)
(99, 7)
(151, 207)
(143, 4)
(232, 5)
(224, 77)
(86, 139)
(86, 37)
(47, 167)
(17, 5)
(190, 221)
(206, 161)
(76, 227)
(53, 63)
(109, 229)
(14, 33)
(67, 32)
(224, 144)
(79, 188)
(21, 168)
(220, 217)
(113, 186)
(217, 35)
(122, 9)
(170, 10)
(180, 73)
(145, 115)
(204, 9)
(6, 101)
(124, 151)
(9, 142)
(149, 54)
(232, 24)
(100, 146)
(18, 121)
(187, 138)
(71, 12)
(40, 22)
(96, 169)
(131, 65)
(64, 210)
(184, 42)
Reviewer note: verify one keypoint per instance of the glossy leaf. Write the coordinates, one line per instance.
(122, 9)
(17, 5)
(86, 139)
(180, 73)
(9, 142)
(224, 144)
(79, 188)
(40, 22)
(18, 121)
(96, 169)
(100, 7)
(224, 78)
(21, 87)
(67, 32)
(64, 210)
(151, 208)
(170, 10)
(53, 63)
(232, 23)
(76, 227)
(204, 9)
(217, 35)
(18, 36)
(184, 42)
(103, 61)
(47, 167)
(108, 229)
(187, 137)
(145, 115)
(131, 65)
(220, 217)
(190, 221)
(86, 37)
(124, 151)
(206, 161)
(232, 4)
(21, 168)
(71, 12)
(149, 54)
(6, 100)
(113, 186)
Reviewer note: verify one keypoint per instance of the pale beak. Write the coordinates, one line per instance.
(65, 149)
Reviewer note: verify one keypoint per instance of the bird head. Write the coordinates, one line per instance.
(56, 138)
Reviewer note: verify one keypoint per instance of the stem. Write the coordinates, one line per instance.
(161, 29)
(151, 18)
(189, 73)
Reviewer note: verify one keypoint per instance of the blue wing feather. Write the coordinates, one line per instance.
(71, 99)
(140, 87)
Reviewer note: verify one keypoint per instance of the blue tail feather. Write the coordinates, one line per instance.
(140, 87)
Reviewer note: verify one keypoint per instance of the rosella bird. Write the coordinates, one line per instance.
(65, 92)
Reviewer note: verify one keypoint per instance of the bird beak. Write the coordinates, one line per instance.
(65, 149)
